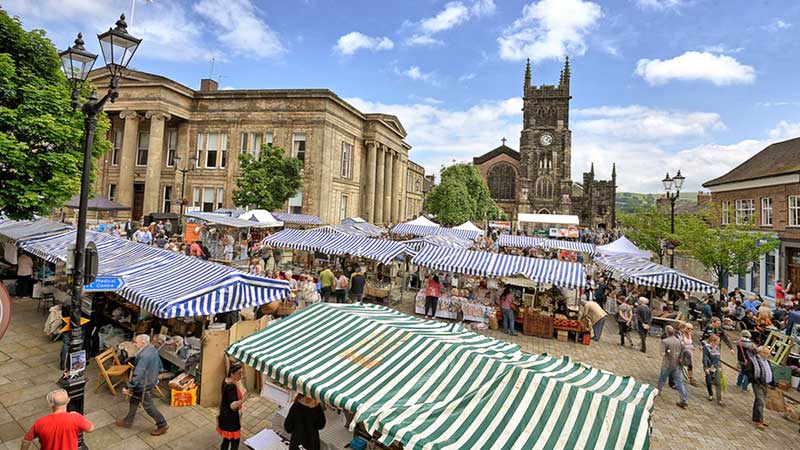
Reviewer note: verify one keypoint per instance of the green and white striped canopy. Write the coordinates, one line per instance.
(431, 385)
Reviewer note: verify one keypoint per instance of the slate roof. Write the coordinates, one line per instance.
(779, 158)
(502, 150)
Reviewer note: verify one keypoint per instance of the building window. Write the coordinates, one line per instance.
(142, 148)
(112, 192)
(208, 199)
(502, 182)
(212, 147)
(199, 154)
(755, 277)
(726, 213)
(766, 212)
(543, 188)
(251, 143)
(166, 199)
(223, 153)
(220, 196)
(269, 139)
(343, 208)
(347, 157)
(794, 210)
(243, 148)
(299, 146)
(769, 267)
(116, 139)
(172, 147)
(745, 210)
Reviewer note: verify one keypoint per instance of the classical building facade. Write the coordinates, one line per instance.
(537, 178)
(415, 189)
(765, 191)
(355, 163)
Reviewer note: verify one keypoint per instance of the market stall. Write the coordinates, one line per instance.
(418, 384)
(297, 219)
(622, 246)
(262, 217)
(507, 240)
(222, 230)
(424, 227)
(363, 229)
(646, 273)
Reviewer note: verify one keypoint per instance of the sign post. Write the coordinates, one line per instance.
(105, 284)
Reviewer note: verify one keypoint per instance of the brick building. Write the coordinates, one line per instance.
(355, 164)
(537, 178)
(765, 189)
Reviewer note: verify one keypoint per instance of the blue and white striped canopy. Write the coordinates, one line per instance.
(422, 230)
(469, 262)
(507, 240)
(363, 229)
(337, 244)
(26, 229)
(297, 219)
(647, 273)
(164, 283)
(441, 240)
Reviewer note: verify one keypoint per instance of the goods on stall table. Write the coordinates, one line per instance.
(450, 308)
(377, 290)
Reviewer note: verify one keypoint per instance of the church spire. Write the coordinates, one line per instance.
(591, 170)
(613, 171)
(527, 78)
(564, 82)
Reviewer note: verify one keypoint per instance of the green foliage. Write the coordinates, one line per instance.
(647, 228)
(722, 250)
(41, 138)
(461, 195)
(269, 181)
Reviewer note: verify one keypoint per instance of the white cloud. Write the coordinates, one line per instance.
(785, 130)
(777, 25)
(696, 66)
(415, 73)
(777, 103)
(353, 41)
(660, 5)
(640, 123)
(467, 76)
(721, 48)
(550, 29)
(240, 28)
(454, 13)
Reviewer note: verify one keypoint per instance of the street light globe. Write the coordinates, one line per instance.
(77, 62)
(678, 180)
(118, 47)
(667, 183)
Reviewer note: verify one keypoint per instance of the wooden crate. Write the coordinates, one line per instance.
(563, 335)
(543, 326)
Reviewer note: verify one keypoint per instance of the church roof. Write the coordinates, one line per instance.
(502, 150)
(779, 158)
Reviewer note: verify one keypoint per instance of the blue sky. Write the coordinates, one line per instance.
(697, 85)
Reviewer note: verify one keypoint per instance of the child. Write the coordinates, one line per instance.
(712, 367)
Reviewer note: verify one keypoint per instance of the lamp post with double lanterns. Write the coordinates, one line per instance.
(184, 170)
(675, 183)
(118, 48)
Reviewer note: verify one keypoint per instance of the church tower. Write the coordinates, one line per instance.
(545, 146)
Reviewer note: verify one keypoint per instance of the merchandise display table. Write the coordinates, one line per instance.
(449, 307)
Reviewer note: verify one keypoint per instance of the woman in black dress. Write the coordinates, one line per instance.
(230, 409)
(306, 417)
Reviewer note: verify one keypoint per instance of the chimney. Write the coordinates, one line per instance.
(703, 198)
(208, 85)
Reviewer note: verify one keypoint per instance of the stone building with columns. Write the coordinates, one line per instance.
(355, 163)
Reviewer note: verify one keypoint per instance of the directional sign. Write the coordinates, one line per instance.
(102, 284)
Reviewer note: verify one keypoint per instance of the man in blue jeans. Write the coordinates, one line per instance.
(140, 388)
(670, 366)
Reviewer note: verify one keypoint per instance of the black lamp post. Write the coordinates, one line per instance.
(118, 47)
(675, 183)
(184, 170)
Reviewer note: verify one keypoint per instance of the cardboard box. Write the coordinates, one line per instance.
(563, 335)
(183, 398)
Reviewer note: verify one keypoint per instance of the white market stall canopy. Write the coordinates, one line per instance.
(421, 226)
(555, 219)
(433, 385)
(297, 219)
(381, 250)
(507, 240)
(227, 221)
(364, 229)
(647, 273)
(422, 221)
(262, 216)
(486, 264)
(469, 226)
(623, 246)
(441, 240)
(165, 283)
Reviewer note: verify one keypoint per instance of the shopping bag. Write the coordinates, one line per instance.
(723, 382)
(775, 401)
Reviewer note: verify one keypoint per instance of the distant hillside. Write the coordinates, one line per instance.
(628, 202)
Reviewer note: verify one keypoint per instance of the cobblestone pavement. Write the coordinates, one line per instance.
(28, 370)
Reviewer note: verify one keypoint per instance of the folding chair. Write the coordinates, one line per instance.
(115, 369)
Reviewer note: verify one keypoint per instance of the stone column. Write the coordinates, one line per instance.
(152, 180)
(369, 181)
(378, 182)
(388, 195)
(403, 189)
(130, 135)
(397, 191)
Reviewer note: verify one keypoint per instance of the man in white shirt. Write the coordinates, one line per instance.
(24, 275)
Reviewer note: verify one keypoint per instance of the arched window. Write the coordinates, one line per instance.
(544, 211)
(544, 188)
(502, 182)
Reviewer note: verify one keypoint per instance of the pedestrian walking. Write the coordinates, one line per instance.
(687, 341)
(712, 368)
(643, 319)
(357, 283)
(340, 287)
(594, 313)
(304, 420)
(745, 349)
(327, 280)
(506, 303)
(140, 387)
(58, 430)
(759, 373)
(24, 275)
(432, 292)
(234, 394)
(624, 320)
(670, 365)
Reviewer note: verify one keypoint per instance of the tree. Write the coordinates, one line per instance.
(461, 195)
(41, 137)
(268, 181)
(726, 250)
(647, 228)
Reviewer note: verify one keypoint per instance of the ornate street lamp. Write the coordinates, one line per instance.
(118, 47)
(184, 170)
(675, 183)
